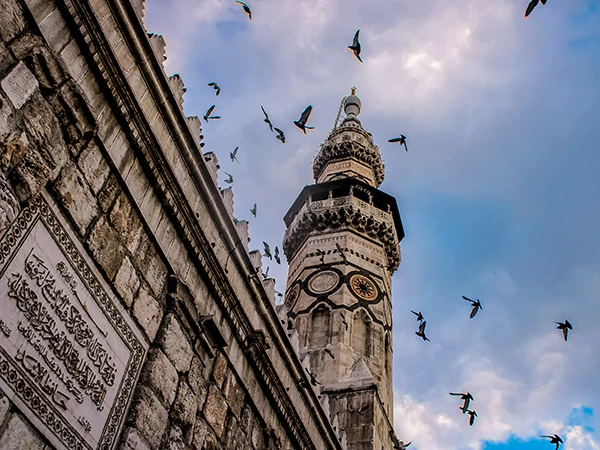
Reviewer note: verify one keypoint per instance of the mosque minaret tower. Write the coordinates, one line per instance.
(343, 244)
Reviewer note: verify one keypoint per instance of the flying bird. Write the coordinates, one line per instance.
(467, 397)
(233, 155)
(208, 116)
(216, 87)
(554, 440)
(246, 8)
(401, 139)
(267, 250)
(475, 304)
(266, 119)
(276, 255)
(322, 254)
(253, 210)
(565, 327)
(280, 135)
(265, 274)
(473, 414)
(420, 317)
(230, 179)
(301, 123)
(355, 47)
(421, 332)
(532, 5)
(329, 352)
(341, 252)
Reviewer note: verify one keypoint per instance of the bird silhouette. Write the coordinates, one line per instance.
(276, 255)
(246, 8)
(341, 252)
(475, 304)
(280, 135)
(313, 380)
(266, 119)
(421, 331)
(555, 439)
(401, 139)
(401, 445)
(420, 317)
(565, 327)
(532, 5)
(233, 155)
(466, 397)
(355, 47)
(208, 116)
(343, 317)
(253, 210)
(472, 415)
(216, 87)
(265, 274)
(329, 352)
(267, 250)
(301, 123)
(322, 254)
(228, 180)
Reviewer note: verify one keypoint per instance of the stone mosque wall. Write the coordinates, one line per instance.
(132, 315)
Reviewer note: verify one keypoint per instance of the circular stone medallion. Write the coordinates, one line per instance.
(363, 287)
(292, 296)
(323, 282)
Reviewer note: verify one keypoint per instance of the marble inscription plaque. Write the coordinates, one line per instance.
(69, 354)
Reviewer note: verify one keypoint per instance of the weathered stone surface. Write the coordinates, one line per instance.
(127, 281)
(234, 395)
(19, 85)
(147, 312)
(126, 221)
(105, 247)
(176, 439)
(77, 197)
(133, 440)
(155, 269)
(220, 370)
(19, 435)
(14, 149)
(149, 416)
(9, 206)
(200, 431)
(234, 437)
(159, 374)
(94, 167)
(175, 344)
(4, 407)
(257, 437)
(215, 410)
(195, 377)
(12, 21)
(108, 193)
(184, 409)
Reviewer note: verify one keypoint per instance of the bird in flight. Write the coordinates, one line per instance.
(233, 155)
(216, 87)
(301, 123)
(266, 119)
(554, 440)
(208, 116)
(253, 210)
(265, 275)
(329, 352)
(421, 331)
(245, 7)
(401, 139)
(355, 47)
(267, 250)
(475, 304)
(230, 179)
(276, 255)
(341, 252)
(473, 414)
(532, 5)
(420, 317)
(280, 135)
(466, 397)
(322, 254)
(565, 327)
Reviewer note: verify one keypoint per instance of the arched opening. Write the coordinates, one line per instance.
(320, 327)
(361, 333)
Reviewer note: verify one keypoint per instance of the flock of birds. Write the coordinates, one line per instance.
(301, 124)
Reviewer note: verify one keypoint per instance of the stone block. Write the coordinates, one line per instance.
(19, 85)
(245, 421)
(257, 438)
(211, 441)
(12, 21)
(93, 166)
(175, 344)
(235, 396)
(4, 407)
(215, 410)
(19, 435)
(126, 221)
(195, 377)
(108, 193)
(233, 435)
(148, 312)
(127, 282)
(9, 206)
(200, 431)
(155, 269)
(160, 375)
(149, 416)
(184, 409)
(131, 439)
(220, 369)
(105, 247)
(176, 440)
(55, 30)
(77, 198)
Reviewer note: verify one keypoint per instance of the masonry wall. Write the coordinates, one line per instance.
(90, 124)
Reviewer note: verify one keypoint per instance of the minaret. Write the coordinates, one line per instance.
(343, 244)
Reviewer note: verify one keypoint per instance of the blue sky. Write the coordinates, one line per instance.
(498, 192)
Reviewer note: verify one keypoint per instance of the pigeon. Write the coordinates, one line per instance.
(266, 119)
(276, 255)
(341, 252)
(554, 440)
(301, 123)
(401, 139)
(208, 116)
(532, 5)
(313, 380)
(473, 414)
(280, 135)
(421, 332)
(322, 254)
(467, 397)
(355, 47)
(329, 352)
(216, 87)
(253, 210)
(475, 304)
(565, 327)
(267, 250)
(420, 317)
(246, 8)
(230, 179)
(233, 154)
(265, 275)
